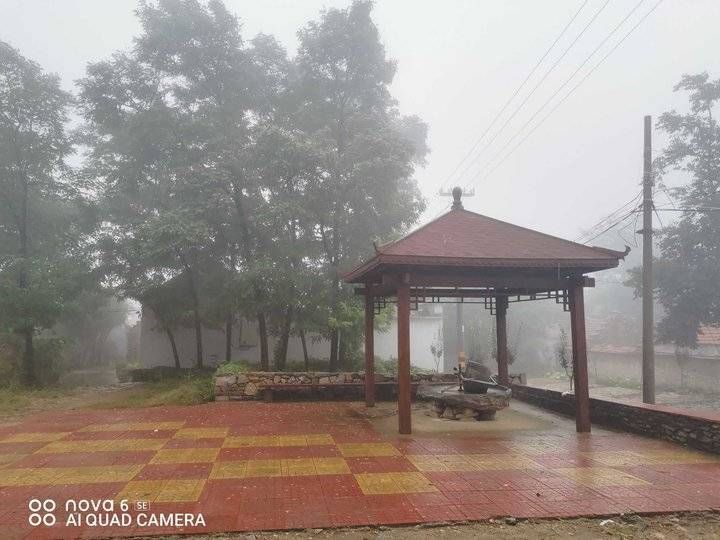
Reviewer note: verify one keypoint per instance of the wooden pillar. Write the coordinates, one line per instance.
(501, 305)
(579, 350)
(369, 348)
(403, 313)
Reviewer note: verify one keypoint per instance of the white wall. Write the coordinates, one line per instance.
(155, 347)
(423, 330)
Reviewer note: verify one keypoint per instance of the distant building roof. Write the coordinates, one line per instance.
(464, 238)
(709, 335)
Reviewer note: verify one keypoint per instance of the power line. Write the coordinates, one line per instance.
(610, 217)
(611, 226)
(512, 97)
(699, 209)
(564, 84)
(545, 76)
(572, 90)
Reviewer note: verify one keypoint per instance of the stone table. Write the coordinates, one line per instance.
(450, 402)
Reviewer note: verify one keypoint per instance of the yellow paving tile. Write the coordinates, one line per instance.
(494, 462)
(135, 426)
(394, 483)
(8, 459)
(35, 437)
(263, 468)
(319, 439)
(471, 462)
(298, 467)
(279, 467)
(162, 490)
(433, 463)
(97, 474)
(428, 463)
(536, 447)
(278, 440)
(185, 455)
(68, 475)
(228, 469)
(617, 458)
(104, 445)
(201, 433)
(241, 441)
(600, 476)
(331, 465)
(677, 457)
(368, 449)
(28, 477)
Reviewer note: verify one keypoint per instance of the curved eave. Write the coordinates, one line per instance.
(359, 273)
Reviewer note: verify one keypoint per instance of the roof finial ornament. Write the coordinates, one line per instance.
(457, 195)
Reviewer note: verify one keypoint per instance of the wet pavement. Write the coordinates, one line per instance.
(254, 466)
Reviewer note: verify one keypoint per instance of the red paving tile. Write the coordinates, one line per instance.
(539, 477)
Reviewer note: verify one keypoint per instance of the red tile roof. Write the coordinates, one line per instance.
(464, 238)
(709, 335)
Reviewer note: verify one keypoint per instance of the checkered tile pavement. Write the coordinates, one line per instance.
(251, 466)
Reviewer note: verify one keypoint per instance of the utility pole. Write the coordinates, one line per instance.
(456, 193)
(648, 365)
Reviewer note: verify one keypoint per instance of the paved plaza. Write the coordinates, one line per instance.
(256, 466)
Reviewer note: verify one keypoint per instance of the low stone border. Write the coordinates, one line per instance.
(250, 385)
(695, 429)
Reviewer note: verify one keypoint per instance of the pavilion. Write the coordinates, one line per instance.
(463, 256)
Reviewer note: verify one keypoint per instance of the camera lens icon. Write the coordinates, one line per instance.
(41, 512)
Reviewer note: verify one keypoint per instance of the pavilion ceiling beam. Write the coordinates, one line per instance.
(517, 281)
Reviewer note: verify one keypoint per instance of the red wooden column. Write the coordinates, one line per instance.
(501, 305)
(403, 313)
(369, 348)
(579, 349)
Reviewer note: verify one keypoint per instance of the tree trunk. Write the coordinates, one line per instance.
(282, 345)
(262, 331)
(334, 340)
(306, 358)
(29, 375)
(342, 352)
(171, 337)
(196, 317)
(228, 337)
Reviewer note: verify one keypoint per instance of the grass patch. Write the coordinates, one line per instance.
(191, 389)
(17, 399)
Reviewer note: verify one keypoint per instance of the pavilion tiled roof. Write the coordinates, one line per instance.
(464, 238)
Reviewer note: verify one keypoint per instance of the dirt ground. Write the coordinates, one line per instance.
(689, 526)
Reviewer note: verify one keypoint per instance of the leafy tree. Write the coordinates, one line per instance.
(364, 186)
(687, 270)
(44, 219)
(157, 120)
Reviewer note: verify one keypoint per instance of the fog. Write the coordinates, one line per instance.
(458, 62)
(201, 194)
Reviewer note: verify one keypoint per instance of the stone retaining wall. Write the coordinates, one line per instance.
(343, 384)
(696, 429)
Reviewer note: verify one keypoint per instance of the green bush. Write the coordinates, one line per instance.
(232, 368)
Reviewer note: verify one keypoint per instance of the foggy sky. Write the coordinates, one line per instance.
(458, 62)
